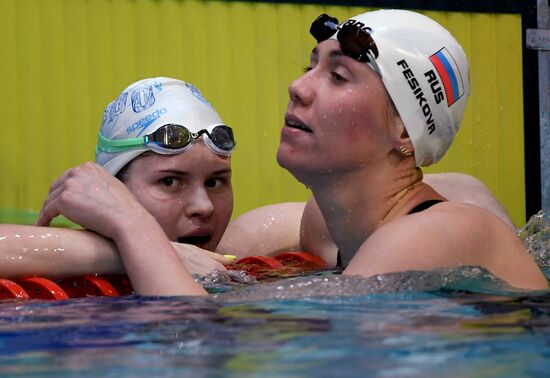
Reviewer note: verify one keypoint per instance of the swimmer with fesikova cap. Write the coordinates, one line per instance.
(385, 93)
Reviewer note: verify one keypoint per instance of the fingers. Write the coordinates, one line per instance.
(61, 192)
(200, 261)
(60, 180)
(49, 210)
(219, 258)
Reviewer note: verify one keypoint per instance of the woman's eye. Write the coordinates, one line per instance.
(168, 181)
(336, 76)
(213, 183)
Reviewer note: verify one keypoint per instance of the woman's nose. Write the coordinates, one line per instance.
(199, 203)
(300, 91)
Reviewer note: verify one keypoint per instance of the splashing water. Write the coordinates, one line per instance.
(536, 238)
(237, 285)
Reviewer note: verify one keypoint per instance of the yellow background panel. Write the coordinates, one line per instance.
(63, 61)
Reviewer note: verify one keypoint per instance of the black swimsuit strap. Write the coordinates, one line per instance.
(418, 208)
(424, 205)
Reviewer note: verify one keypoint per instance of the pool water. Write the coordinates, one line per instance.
(453, 323)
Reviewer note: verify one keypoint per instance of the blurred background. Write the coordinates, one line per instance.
(63, 61)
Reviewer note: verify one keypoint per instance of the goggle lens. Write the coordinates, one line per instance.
(354, 41)
(174, 137)
(323, 27)
(222, 137)
(171, 136)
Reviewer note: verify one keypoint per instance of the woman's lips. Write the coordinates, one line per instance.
(295, 122)
(198, 240)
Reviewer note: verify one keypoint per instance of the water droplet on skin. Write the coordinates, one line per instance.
(3, 237)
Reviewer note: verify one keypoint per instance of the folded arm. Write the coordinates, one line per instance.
(55, 252)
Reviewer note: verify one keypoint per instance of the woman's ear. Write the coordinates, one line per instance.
(401, 141)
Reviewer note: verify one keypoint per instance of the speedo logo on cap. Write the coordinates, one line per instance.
(449, 73)
(144, 122)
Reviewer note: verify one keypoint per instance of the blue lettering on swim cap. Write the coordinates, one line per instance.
(113, 110)
(143, 97)
(195, 92)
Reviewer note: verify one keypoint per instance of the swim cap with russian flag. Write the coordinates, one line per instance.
(146, 106)
(425, 72)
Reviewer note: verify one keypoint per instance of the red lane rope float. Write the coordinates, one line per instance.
(302, 260)
(262, 267)
(11, 290)
(88, 286)
(121, 283)
(42, 288)
(257, 266)
(283, 265)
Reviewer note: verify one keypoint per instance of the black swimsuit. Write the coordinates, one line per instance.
(418, 208)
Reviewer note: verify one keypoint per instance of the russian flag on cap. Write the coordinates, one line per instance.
(447, 69)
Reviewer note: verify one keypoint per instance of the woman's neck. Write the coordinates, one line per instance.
(354, 211)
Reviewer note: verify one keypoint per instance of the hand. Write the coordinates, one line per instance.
(200, 261)
(90, 196)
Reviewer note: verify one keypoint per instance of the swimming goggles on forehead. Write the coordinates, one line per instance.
(355, 41)
(173, 139)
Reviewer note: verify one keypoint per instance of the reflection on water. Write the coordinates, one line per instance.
(407, 334)
(452, 323)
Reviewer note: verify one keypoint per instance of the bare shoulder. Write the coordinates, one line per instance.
(447, 235)
(265, 230)
(463, 188)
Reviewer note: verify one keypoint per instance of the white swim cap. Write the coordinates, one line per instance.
(426, 73)
(147, 105)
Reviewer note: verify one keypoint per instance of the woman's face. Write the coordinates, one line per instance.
(189, 194)
(336, 117)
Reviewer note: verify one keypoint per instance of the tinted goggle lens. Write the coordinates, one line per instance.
(323, 27)
(354, 41)
(171, 136)
(222, 137)
(174, 136)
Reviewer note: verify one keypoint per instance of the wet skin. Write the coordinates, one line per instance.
(327, 126)
(189, 194)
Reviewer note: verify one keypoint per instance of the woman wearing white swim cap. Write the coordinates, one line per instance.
(171, 152)
(385, 93)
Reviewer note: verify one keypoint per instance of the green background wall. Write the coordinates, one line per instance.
(63, 61)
